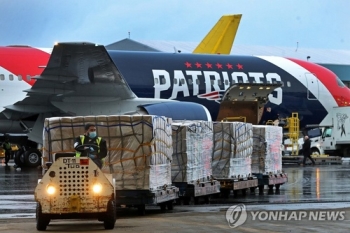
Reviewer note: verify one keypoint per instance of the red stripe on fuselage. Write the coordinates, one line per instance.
(23, 61)
(329, 79)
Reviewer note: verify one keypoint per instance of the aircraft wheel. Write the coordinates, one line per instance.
(32, 158)
(18, 158)
(110, 216)
(42, 220)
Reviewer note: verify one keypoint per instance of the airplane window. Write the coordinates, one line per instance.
(212, 82)
(288, 84)
(2, 77)
(282, 83)
(28, 77)
(175, 81)
(182, 81)
(162, 80)
(156, 80)
(219, 82)
(340, 83)
(226, 82)
(19, 77)
(11, 77)
(190, 81)
(198, 82)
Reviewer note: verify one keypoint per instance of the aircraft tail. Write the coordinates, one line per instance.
(220, 38)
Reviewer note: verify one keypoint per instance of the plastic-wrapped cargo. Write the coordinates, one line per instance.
(233, 146)
(267, 151)
(192, 151)
(139, 147)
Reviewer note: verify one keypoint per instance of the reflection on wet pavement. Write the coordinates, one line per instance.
(324, 183)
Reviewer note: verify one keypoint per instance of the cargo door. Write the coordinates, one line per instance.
(312, 86)
(243, 102)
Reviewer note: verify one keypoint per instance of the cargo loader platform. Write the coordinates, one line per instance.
(319, 159)
(235, 184)
(140, 198)
(271, 180)
(196, 190)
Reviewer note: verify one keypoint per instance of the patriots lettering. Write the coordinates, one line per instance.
(210, 81)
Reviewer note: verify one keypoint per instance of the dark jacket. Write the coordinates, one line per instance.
(102, 153)
(307, 147)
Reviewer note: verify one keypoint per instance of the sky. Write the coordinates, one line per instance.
(320, 24)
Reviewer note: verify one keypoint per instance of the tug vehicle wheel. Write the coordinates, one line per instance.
(110, 217)
(42, 220)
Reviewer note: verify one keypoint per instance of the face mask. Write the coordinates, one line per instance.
(92, 134)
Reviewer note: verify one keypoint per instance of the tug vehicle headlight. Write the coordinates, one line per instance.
(50, 189)
(97, 188)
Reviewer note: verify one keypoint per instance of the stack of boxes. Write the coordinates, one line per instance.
(267, 150)
(192, 151)
(140, 147)
(233, 146)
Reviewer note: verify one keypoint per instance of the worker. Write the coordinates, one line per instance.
(90, 137)
(268, 115)
(307, 150)
(6, 145)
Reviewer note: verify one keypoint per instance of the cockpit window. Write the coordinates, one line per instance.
(340, 83)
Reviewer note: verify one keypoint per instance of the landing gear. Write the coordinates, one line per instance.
(32, 158)
(29, 158)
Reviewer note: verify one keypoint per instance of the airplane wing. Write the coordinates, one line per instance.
(78, 79)
(220, 38)
(84, 64)
(81, 72)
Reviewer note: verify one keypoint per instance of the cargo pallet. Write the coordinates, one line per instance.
(319, 159)
(140, 198)
(196, 190)
(271, 180)
(235, 184)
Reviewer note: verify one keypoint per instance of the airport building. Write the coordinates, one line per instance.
(336, 60)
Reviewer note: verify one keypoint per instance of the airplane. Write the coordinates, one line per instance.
(300, 86)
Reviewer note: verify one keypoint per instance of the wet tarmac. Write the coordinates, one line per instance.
(325, 185)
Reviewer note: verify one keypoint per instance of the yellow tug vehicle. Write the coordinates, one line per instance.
(75, 188)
